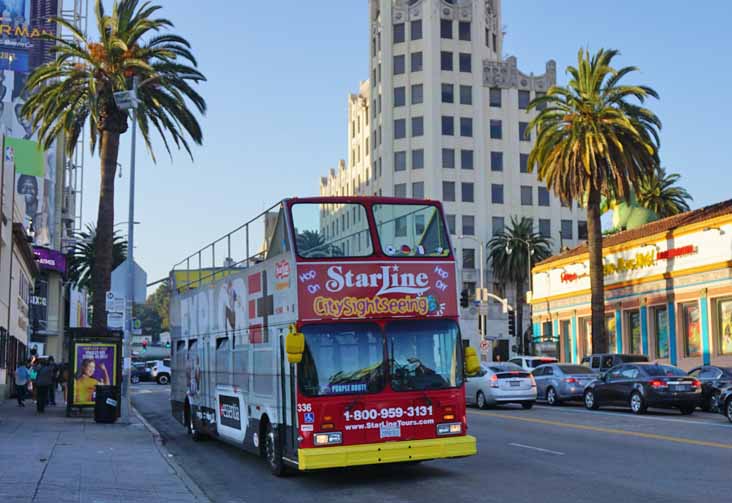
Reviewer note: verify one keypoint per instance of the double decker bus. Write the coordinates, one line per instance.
(331, 341)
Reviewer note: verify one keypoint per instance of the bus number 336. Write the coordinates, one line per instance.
(390, 413)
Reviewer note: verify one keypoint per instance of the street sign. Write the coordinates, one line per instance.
(120, 278)
(115, 321)
(115, 303)
(484, 346)
(483, 309)
(136, 327)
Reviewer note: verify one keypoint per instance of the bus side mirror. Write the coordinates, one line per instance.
(295, 346)
(472, 363)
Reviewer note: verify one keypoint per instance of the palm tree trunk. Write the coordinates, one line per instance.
(597, 275)
(102, 272)
(519, 319)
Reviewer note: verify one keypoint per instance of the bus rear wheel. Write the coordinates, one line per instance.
(191, 425)
(273, 452)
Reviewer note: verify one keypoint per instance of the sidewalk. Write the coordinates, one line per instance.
(52, 458)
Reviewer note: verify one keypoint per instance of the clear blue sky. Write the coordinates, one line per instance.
(279, 74)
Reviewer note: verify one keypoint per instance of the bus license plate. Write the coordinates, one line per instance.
(390, 431)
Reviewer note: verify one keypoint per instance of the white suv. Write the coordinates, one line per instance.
(531, 362)
(160, 371)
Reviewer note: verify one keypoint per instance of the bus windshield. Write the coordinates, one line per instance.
(424, 355)
(331, 230)
(409, 230)
(342, 358)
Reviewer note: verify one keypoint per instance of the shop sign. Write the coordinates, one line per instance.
(676, 252)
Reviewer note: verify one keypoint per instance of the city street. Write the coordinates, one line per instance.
(544, 454)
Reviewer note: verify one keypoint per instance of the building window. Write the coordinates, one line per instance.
(417, 126)
(582, 230)
(495, 42)
(418, 159)
(540, 106)
(417, 94)
(468, 225)
(415, 31)
(446, 61)
(419, 222)
(398, 64)
(448, 191)
(566, 229)
(468, 258)
(524, 134)
(400, 190)
(400, 224)
(527, 195)
(466, 95)
(400, 161)
(464, 30)
(691, 329)
(497, 193)
(450, 223)
(448, 93)
(494, 97)
(634, 332)
(467, 192)
(398, 33)
(466, 65)
(524, 163)
(496, 161)
(418, 190)
(400, 96)
(660, 330)
(466, 159)
(498, 225)
(466, 127)
(448, 125)
(448, 158)
(446, 28)
(611, 333)
(400, 129)
(487, 37)
(524, 97)
(543, 196)
(496, 129)
(379, 68)
(416, 62)
(545, 228)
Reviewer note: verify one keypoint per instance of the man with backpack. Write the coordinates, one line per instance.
(44, 381)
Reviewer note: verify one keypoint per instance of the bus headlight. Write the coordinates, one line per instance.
(449, 429)
(334, 437)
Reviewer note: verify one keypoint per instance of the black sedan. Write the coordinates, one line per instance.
(725, 402)
(643, 385)
(714, 379)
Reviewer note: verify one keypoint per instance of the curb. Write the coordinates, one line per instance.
(190, 484)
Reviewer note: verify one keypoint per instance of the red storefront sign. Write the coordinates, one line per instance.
(676, 252)
(350, 290)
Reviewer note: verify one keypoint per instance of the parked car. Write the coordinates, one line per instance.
(139, 372)
(602, 362)
(561, 382)
(160, 371)
(499, 383)
(529, 363)
(643, 385)
(725, 402)
(714, 380)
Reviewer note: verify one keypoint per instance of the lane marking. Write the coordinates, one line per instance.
(538, 449)
(612, 431)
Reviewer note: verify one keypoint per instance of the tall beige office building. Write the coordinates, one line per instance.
(443, 116)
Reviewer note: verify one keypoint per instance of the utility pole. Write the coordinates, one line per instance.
(481, 318)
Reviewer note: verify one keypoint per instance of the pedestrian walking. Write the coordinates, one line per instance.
(22, 378)
(54, 381)
(43, 382)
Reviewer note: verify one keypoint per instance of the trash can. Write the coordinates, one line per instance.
(105, 404)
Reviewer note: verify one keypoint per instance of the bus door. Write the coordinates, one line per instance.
(288, 406)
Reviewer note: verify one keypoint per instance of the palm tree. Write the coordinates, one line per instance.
(79, 86)
(659, 193)
(594, 141)
(509, 255)
(309, 240)
(83, 255)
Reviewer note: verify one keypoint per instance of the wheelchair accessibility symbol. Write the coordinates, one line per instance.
(309, 417)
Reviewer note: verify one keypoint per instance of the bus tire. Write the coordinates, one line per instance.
(273, 452)
(191, 428)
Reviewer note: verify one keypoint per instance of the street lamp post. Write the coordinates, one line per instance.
(529, 253)
(481, 245)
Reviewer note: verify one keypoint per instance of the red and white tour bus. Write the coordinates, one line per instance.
(333, 342)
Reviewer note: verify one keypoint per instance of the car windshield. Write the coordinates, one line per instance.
(409, 230)
(664, 370)
(342, 358)
(539, 361)
(331, 230)
(505, 367)
(633, 358)
(575, 369)
(424, 354)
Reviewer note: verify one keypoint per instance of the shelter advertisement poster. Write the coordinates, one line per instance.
(725, 327)
(94, 363)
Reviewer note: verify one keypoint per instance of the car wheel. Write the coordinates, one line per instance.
(728, 409)
(273, 452)
(163, 379)
(551, 397)
(637, 404)
(687, 410)
(590, 401)
(135, 379)
(480, 400)
(714, 405)
(191, 426)
(527, 405)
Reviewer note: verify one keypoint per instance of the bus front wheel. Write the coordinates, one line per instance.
(273, 452)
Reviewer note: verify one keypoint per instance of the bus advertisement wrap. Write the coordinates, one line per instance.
(351, 290)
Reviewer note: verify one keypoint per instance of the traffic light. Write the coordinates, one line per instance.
(464, 301)
(512, 324)
(144, 344)
(167, 345)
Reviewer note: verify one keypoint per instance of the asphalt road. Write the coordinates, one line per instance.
(563, 454)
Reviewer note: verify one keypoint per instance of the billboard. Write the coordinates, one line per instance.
(359, 290)
(94, 363)
(78, 308)
(50, 260)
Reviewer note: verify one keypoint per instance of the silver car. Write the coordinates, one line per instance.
(561, 382)
(498, 383)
